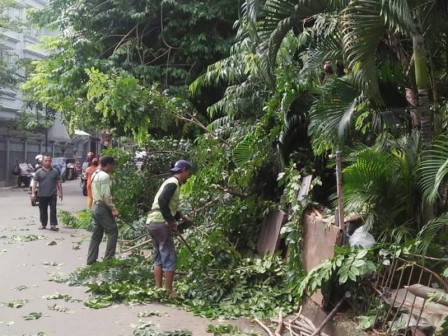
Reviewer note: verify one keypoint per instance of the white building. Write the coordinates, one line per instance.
(15, 46)
(15, 143)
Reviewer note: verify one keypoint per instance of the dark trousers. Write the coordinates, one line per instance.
(44, 202)
(103, 221)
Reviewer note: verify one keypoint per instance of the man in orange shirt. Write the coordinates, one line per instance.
(89, 171)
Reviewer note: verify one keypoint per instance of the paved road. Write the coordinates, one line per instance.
(28, 267)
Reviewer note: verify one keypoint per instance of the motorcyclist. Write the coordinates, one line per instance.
(39, 158)
(90, 156)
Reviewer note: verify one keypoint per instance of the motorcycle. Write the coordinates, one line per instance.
(24, 176)
(60, 163)
(35, 201)
(71, 172)
(83, 182)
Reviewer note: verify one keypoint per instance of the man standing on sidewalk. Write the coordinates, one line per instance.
(103, 211)
(49, 180)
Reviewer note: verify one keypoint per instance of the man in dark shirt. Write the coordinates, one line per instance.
(49, 180)
(162, 220)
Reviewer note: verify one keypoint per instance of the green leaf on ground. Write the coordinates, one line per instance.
(17, 303)
(51, 263)
(27, 238)
(222, 329)
(32, 316)
(61, 309)
(151, 313)
(57, 277)
(58, 296)
(20, 288)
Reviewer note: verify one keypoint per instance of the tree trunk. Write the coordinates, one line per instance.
(422, 81)
(412, 100)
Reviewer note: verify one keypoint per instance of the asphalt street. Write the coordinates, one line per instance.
(29, 267)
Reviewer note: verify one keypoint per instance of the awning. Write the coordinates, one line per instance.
(78, 132)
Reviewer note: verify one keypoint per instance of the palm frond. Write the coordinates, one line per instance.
(251, 8)
(430, 231)
(243, 151)
(230, 71)
(397, 16)
(281, 16)
(245, 99)
(331, 115)
(399, 234)
(327, 48)
(381, 185)
(223, 126)
(434, 168)
(363, 28)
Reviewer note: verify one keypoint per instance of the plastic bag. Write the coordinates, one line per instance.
(16, 169)
(361, 238)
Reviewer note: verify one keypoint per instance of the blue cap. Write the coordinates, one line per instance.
(179, 165)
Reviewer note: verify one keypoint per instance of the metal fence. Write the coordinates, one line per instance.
(415, 297)
(22, 150)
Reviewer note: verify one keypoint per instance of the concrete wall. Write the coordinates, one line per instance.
(319, 240)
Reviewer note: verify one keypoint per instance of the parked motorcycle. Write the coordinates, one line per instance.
(60, 163)
(23, 172)
(35, 201)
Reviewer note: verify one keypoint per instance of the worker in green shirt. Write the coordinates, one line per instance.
(103, 211)
(162, 222)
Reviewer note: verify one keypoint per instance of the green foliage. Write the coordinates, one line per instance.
(444, 326)
(133, 191)
(26, 121)
(432, 236)
(32, 316)
(103, 70)
(122, 98)
(365, 322)
(292, 230)
(6, 21)
(129, 280)
(433, 169)
(16, 303)
(277, 105)
(247, 286)
(346, 266)
(223, 329)
(381, 185)
(81, 220)
(145, 331)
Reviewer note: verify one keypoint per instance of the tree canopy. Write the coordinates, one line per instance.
(153, 49)
(294, 82)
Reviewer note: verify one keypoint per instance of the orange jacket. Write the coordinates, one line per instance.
(89, 171)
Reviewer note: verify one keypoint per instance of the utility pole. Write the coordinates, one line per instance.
(46, 129)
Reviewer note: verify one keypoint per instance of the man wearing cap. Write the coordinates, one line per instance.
(103, 212)
(162, 221)
(88, 173)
